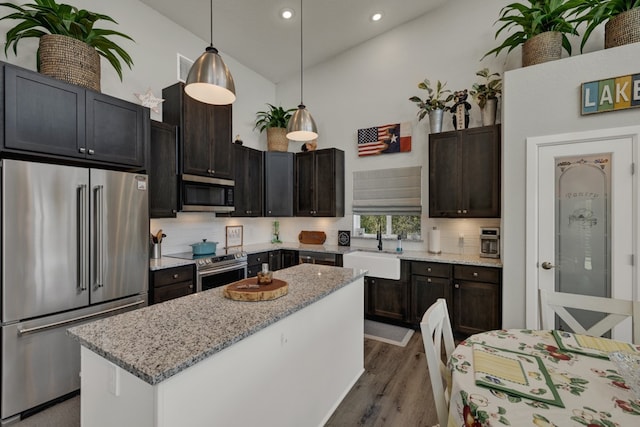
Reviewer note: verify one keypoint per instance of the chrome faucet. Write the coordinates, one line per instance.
(379, 237)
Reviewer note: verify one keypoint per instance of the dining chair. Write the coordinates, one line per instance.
(436, 330)
(617, 310)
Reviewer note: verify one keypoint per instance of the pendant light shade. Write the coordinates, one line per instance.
(209, 79)
(301, 126)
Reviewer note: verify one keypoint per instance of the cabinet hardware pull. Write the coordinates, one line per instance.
(77, 319)
(475, 274)
(429, 280)
(459, 211)
(464, 211)
(175, 276)
(429, 269)
(457, 286)
(91, 151)
(82, 150)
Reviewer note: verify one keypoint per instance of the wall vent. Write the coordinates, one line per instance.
(184, 65)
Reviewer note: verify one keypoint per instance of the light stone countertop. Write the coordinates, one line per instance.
(168, 262)
(159, 341)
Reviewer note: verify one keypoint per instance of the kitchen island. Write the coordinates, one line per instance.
(207, 360)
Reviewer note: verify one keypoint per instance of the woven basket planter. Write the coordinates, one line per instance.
(69, 60)
(622, 29)
(541, 48)
(277, 139)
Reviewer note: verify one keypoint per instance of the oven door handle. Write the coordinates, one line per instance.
(212, 271)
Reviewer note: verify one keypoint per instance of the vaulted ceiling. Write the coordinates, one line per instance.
(252, 31)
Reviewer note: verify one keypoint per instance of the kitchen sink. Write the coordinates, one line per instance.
(381, 264)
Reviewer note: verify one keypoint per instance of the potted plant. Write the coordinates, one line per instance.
(435, 104)
(541, 28)
(70, 46)
(622, 19)
(275, 120)
(486, 95)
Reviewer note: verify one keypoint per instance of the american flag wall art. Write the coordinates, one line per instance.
(393, 138)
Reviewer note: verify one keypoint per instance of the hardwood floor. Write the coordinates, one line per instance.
(393, 391)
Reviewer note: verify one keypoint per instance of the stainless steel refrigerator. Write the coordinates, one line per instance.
(74, 248)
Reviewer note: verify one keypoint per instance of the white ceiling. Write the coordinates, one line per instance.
(252, 32)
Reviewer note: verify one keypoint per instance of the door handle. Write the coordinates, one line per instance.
(82, 237)
(99, 234)
(547, 265)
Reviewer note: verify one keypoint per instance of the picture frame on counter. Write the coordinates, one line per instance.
(234, 236)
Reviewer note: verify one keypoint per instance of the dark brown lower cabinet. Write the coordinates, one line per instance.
(429, 281)
(386, 298)
(473, 294)
(171, 283)
(476, 299)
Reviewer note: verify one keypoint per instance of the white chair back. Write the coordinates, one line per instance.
(436, 330)
(617, 310)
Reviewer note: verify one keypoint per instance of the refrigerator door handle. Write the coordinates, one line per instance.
(82, 237)
(99, 236)
(77, 319)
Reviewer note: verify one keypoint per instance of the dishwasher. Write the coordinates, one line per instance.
(324, 258)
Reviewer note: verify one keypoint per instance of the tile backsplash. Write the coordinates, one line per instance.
(190, 228)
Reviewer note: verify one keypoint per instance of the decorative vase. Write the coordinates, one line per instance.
(435, 120)
(69, 60)
(277, 139)
(541, 48)
(622, 29)
(488, 112)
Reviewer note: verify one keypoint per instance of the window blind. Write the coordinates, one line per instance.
(388, 191)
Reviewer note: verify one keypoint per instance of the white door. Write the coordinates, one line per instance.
(581, 210)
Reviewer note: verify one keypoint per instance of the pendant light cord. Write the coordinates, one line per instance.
(211, 23)
(301, 62)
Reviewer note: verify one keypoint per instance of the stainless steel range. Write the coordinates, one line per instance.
(216, 270)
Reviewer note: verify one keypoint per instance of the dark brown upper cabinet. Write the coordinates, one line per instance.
(163, 170)
(278, 183)
(49, 118)
(464, 173)
(320, 183)
(204, 133)
(248, 175)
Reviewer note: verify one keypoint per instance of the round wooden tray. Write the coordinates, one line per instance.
(249, 290)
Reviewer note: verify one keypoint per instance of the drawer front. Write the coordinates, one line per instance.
(258, 258)
(478, 274)
(253, 270)
(169, 276)
(177, 290)
(434, 269)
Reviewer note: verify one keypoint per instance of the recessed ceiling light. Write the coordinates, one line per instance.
(286, 13)
(376, 16)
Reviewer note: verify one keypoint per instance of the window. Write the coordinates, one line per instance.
(391, 225)
(387, 200)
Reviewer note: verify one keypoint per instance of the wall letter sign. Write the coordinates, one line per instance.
(612, 94)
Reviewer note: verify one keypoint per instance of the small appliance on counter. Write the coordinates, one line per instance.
(489, 242)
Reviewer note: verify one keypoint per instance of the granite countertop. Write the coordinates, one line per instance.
(181, 332)
(168, 262)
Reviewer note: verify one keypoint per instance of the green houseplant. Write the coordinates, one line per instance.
(68, 25)
(435, 104)
(486, 93)
(621, 16)
(274, 120)
(541, 27)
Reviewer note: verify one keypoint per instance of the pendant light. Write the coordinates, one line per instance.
(209, 79)
(301, 126)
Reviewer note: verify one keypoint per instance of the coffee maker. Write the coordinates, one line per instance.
(490, 242)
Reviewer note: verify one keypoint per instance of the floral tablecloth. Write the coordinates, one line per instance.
(590, 388)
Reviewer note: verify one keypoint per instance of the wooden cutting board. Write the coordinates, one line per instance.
(249, 290)
(312, 237)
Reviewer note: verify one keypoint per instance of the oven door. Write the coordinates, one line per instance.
(213, 278)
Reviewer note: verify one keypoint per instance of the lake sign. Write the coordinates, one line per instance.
(612, 94)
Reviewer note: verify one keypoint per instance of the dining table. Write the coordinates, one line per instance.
(523, 377)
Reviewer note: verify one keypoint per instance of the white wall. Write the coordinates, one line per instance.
(545, 100)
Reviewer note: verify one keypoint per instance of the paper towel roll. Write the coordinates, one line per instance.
(434, 241)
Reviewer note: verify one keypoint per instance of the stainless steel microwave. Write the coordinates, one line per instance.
(204, 194)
